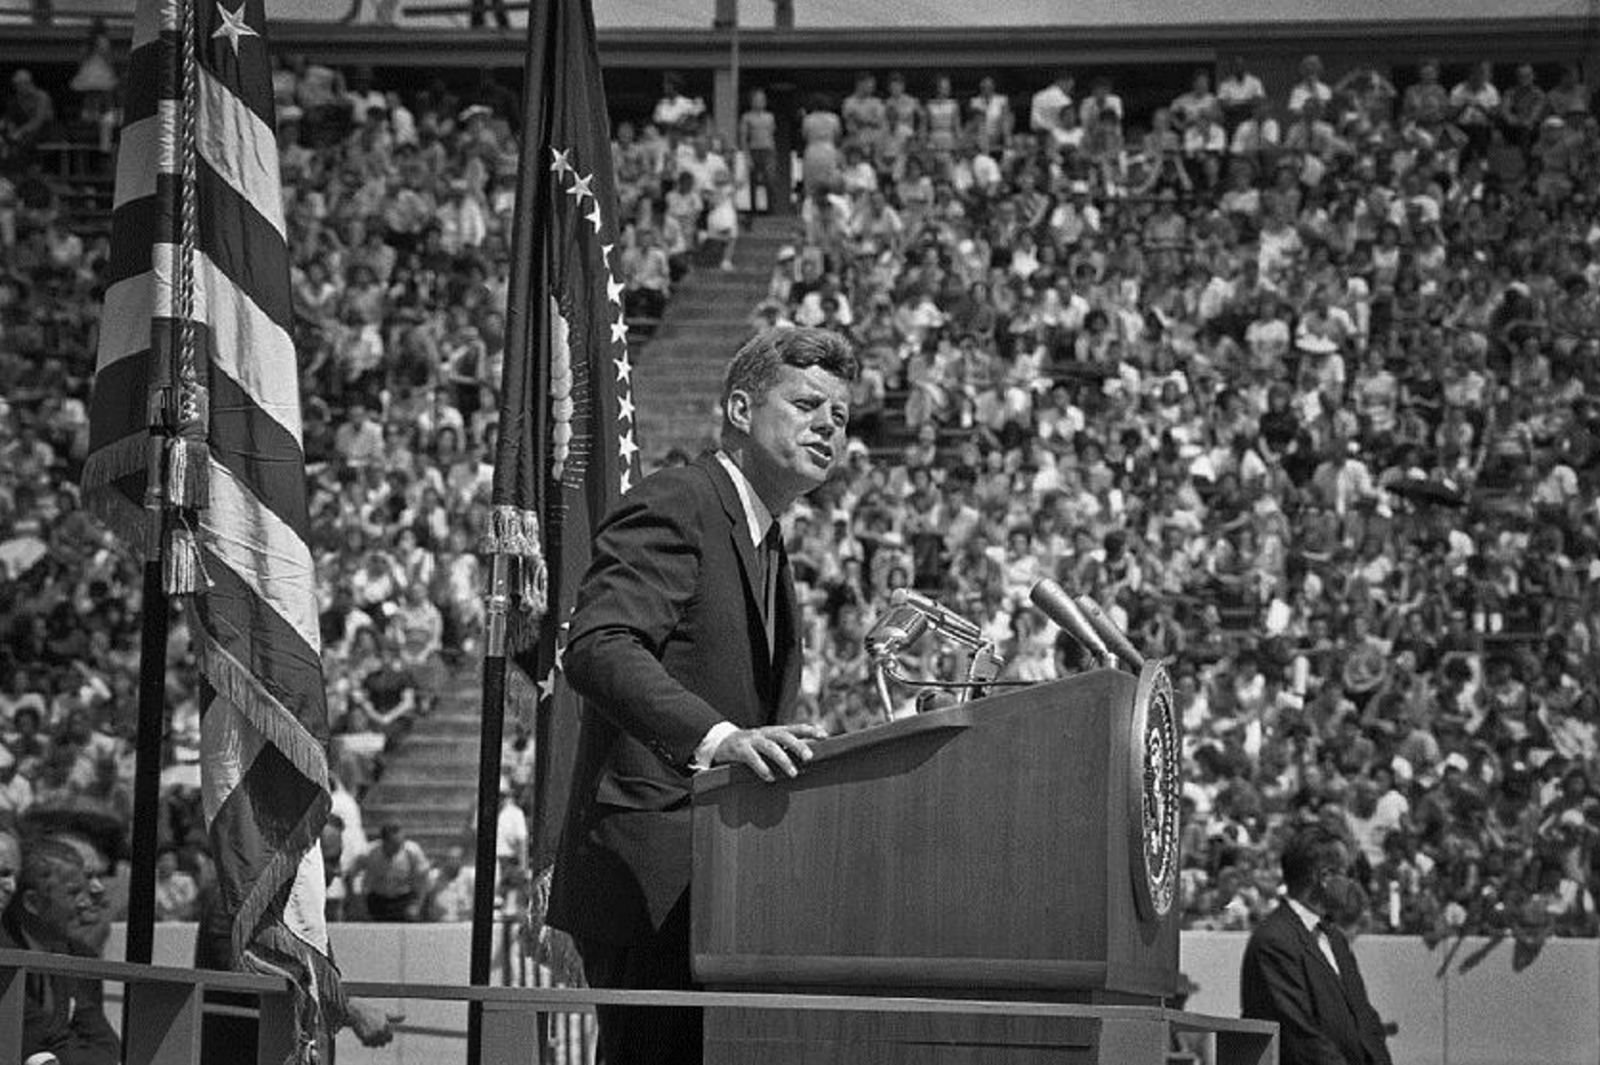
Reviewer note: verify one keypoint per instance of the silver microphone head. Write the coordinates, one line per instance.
(897, 627)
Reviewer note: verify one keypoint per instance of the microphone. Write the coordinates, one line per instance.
(1115, 638)
(899, 626)
(940, 617)
(1058, 606)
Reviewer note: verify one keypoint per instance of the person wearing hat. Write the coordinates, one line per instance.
(1298, 968)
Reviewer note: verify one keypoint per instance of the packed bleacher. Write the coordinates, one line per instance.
(1301, 388)
(398, 215)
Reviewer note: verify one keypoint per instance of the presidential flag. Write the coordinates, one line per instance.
(195, 453)
(568, 446)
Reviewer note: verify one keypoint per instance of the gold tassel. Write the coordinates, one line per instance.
(535, 586)
(181, 564)
(187, 467)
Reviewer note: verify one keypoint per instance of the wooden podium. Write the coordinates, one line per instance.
(1021, 847)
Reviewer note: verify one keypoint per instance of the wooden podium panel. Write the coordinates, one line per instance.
(985, 850)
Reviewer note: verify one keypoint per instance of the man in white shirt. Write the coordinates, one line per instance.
(1239, 92)
(1044, 111)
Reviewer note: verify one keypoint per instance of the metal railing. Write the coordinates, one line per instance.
(166, 1004)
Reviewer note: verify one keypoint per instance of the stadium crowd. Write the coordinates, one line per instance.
(1302, 390)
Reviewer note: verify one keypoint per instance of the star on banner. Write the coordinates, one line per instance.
(561, 162)
(625, 408)
(614, 289)
(594, 217)
(624, 368)
(619, 332)
(233, 27)
(626, 448)
(547, 686)
(626, 481)
(580, 187)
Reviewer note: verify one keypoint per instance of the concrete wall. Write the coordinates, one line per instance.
(1548, 1014)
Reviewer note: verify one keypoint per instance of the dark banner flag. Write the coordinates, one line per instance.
(196, 401)
(568, 447)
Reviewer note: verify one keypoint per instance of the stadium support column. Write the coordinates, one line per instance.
(725, 79)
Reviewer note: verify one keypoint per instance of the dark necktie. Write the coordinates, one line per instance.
(767, 568)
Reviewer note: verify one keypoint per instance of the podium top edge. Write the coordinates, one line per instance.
(953, 717)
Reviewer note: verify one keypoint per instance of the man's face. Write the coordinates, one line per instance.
(796, 431)
(64, 908)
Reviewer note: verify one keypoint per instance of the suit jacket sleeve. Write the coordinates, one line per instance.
(92, 1040)
(643, 577)
(1274, 982)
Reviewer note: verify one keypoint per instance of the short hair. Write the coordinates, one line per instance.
(1308, 851)
(43, 861)
(754, 369)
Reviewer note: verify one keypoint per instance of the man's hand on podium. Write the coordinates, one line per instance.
(762, 749)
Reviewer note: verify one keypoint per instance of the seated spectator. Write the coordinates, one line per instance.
(62, 1015)
(394, 876)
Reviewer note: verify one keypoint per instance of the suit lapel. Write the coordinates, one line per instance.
(739, 531)
(1336, 976)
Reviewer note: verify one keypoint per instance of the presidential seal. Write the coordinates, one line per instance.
(1154, 753)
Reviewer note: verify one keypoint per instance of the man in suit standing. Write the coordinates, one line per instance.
(685, 646)
(1298, 969)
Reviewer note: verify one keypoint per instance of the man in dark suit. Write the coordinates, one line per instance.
(685, 646)
(55, 910)
(1298, 969)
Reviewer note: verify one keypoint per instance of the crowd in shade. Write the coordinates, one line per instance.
(1301, 388)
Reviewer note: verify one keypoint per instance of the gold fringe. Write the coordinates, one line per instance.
(133, 525)
(117, 460)
(181, 563)
(522, 632)
(266, 715)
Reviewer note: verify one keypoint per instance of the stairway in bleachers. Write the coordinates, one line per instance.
(677, 377)
(81, 170)
(430, 779)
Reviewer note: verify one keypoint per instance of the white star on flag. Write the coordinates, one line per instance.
(619, 332)
(594, 217)
(626, 448)
(233, 27)
(605, 253)
(624, 368)
(627, 479)
(624, 408)
(614, 289)
(561, 162)
(580, 187)
(547, 686)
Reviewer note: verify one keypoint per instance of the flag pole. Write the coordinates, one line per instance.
(491, 736)
(167, 405)
(147, 765)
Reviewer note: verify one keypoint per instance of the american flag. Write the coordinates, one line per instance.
(196, 399)
(568, 446)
